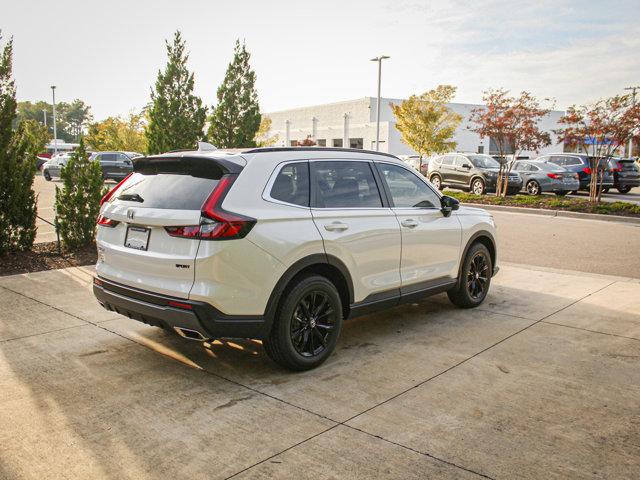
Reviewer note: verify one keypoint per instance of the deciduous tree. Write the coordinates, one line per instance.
(236, 118)
(116, 133)
(262, 137)
(176, 116)
(78, 202)
(599, 130)
(426, 123)
(513, 123)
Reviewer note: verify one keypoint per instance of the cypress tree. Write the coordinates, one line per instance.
(78, 202)
(17, 167)
(236, 119)
(176, 116)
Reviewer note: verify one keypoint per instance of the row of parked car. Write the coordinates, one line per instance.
(114, 165)
(560, 173)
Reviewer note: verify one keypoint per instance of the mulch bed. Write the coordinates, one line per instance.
(45, 256)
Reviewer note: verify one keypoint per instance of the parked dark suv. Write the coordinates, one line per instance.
(625, 174)
(115, 165)
(469, 171)
(581, 164)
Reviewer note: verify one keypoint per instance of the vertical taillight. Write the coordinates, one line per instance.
(110, 193)
(225, 225)
(217, 224)
(587, 170)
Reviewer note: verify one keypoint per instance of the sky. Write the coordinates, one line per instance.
(306, 53)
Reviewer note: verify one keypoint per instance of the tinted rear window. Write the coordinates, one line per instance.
(172, 191)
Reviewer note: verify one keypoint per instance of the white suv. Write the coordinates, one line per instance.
(283, 244)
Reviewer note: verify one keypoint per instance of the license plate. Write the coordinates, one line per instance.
(137, 238)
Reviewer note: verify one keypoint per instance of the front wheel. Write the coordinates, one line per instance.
(605, 190)
(477, 187)
(533, 187)
(562, 193)
(475, 278)
(624, 189)
(306, 325)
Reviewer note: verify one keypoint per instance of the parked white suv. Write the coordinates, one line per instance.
(283, 244)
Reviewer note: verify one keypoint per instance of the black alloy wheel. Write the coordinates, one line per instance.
(475, 278)
(478, 276)
(312, 324)
(306, 325)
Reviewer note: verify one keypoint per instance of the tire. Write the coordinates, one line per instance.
(436, 181)
(471, 293)
(46, 176)
(298, 340)
(623, 189)
(533, 188)
(574, 192)
(478, 187)
(605, 190)
(561, 193)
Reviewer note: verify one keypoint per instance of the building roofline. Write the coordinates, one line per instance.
(318, 149)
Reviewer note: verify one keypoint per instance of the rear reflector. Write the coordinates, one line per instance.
(184, 306)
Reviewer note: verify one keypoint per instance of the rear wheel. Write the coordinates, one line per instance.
(306, 325)
(605, 190)
(533, 187)
(477, 187)
(46, 176)
(561, 193)
(436, 181)
(624, 189)
(475, 278)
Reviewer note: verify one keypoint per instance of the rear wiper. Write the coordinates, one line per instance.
(131, 197)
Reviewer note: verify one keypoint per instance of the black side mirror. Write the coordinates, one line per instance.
(449, 204)
(467, 166)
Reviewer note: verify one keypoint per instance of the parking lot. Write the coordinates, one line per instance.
(542, 381)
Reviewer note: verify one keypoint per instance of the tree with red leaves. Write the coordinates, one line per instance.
(307, 142)
(599, 130)
(512, 122)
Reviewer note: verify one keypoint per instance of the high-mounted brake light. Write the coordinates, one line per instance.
(106, 222)
(110, 193)
(218, 224)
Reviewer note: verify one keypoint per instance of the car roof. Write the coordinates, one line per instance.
(279, 154)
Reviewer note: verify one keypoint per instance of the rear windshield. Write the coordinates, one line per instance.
(166, 190)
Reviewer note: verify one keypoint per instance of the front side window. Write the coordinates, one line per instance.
(292, 184)
(344, 184)
(407, 190)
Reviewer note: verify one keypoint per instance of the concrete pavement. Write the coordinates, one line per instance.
(541, 381)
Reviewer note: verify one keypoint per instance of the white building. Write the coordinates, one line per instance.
(352, 123)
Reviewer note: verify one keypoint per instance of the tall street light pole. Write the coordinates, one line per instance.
(633, 102)
(379, 60)
(55, 132)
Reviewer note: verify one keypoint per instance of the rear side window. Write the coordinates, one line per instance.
(558, 160)
(447, 160)
(572, 161)
(344, 185)
(108, 157)
(292, 184)
(169, 191)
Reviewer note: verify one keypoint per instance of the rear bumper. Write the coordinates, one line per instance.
(190, 319)
(627, 182)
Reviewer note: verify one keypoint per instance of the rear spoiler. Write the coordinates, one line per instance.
(195, 165)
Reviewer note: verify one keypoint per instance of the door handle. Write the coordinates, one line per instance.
(409, 222)
(339, 226)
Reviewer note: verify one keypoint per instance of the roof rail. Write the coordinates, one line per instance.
(316, 149)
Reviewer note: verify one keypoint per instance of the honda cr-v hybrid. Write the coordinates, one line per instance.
(283, 244)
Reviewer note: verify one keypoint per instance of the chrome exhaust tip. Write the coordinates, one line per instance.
(190, 334)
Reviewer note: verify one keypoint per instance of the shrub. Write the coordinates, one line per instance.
(78, 202)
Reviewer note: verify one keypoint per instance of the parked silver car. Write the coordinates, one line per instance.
(538, 177)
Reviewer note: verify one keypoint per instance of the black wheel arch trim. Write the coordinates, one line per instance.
(297, 268)
(474, 238)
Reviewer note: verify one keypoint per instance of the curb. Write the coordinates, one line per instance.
(558, 213)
